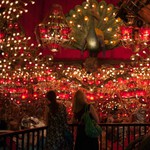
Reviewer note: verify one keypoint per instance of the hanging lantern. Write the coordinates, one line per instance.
(54, 31)
(145, 34)
(126, 33)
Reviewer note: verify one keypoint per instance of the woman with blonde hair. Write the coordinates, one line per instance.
(79, 105)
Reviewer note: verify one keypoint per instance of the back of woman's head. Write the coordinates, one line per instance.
(79, 96)
(51, 96)
(79, 101)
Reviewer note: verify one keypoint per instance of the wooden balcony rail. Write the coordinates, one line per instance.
(114, 137)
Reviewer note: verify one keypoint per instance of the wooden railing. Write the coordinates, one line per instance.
(119, 136)
(114, 137)
(31, 139)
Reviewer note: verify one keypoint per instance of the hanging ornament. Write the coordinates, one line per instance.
(54, 31)
(142, 100)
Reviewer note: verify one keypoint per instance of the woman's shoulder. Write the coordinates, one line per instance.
(91, 105)
(61, 106)
(88, 106)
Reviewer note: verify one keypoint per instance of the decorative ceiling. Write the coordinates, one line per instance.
(38, 11)
(25, 76)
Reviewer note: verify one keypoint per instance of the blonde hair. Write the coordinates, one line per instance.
(79, 101)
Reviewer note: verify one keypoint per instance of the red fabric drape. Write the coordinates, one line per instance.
(40, 9)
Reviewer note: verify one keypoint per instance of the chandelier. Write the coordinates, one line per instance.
(135, 33)
(53, 32)
(134, 37)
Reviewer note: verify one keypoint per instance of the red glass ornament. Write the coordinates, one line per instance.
(54, 47)
(65, 37)
(84, 79)
(132, 105)
(2, 35)
(16, 26)
(140, 93)
(43, 30)
(98, 82)
(23, 96)
(90, 82)
(10, 26)
(142, 100)
(35, 95)
(144, 34)
(126, 33)
(65, 31)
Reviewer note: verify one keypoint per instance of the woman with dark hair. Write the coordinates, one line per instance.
(57, 124)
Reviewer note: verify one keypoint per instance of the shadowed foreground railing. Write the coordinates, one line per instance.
(30, 139)
(114, 137)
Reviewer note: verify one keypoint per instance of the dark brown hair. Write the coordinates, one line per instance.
(51, 96)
